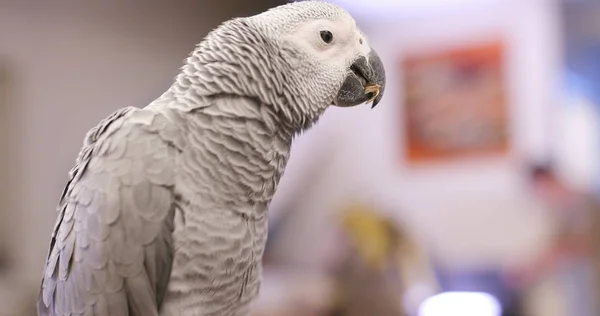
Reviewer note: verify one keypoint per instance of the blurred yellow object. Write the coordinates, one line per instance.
(375, 237)
(368, 280)
(378, 274)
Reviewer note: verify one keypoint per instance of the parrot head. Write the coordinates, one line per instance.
(298, 58)
(331, 55)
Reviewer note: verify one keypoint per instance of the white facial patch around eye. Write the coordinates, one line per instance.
(310, 33)
(316, 31)
(343, 48)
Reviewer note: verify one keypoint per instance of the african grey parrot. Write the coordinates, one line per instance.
(165, 212)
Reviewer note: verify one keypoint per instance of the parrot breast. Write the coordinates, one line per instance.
(227, 176)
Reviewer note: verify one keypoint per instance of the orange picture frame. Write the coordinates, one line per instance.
(455, 103)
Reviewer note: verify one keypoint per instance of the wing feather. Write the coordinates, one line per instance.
(110, 252)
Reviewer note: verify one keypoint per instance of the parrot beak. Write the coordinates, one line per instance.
(364, 83)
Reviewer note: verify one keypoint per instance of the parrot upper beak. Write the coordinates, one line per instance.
(365, 82)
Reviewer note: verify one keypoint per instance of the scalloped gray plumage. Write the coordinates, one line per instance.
(165, 212)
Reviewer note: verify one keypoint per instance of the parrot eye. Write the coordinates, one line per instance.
(326, 36)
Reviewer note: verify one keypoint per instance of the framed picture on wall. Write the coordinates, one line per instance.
(455, 103)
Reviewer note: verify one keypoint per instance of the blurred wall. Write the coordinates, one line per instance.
(72, 63)
(4, 161)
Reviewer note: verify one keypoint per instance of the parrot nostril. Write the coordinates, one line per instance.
(360, 40)
(358, 72)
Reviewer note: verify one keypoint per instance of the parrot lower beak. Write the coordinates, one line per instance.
(364, 83)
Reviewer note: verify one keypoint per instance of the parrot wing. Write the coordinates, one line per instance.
(110, 252)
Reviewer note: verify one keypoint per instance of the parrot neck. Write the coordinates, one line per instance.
(237, 59)
(243, 142)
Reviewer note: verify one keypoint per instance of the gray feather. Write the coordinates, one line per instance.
(165, 211)
(96, 268)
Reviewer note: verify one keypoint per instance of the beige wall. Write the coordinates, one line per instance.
(72, 64)
(4, 162)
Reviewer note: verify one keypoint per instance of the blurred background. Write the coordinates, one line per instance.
(472, 189)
